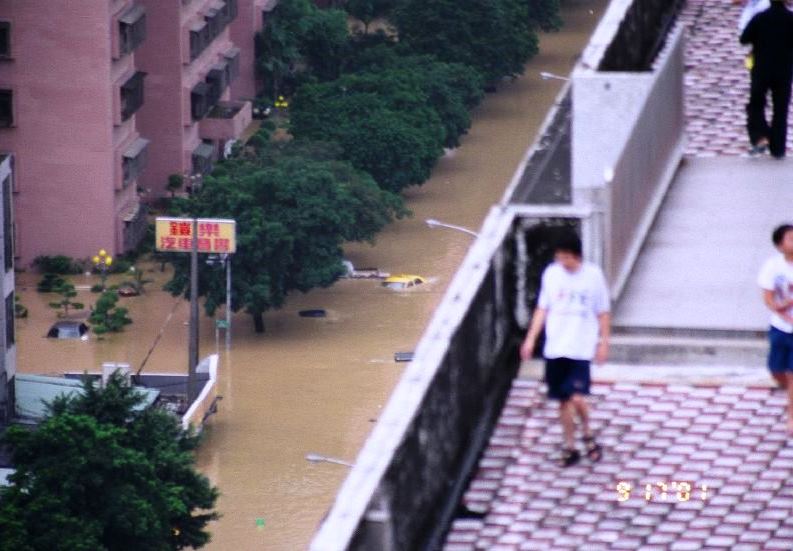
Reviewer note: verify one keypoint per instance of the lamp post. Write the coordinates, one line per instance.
(102, 262)
(545, 75)
(432, 223)
(317, 458)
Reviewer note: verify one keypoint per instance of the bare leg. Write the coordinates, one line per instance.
(582, 409)
(567, 417)
(781, 379)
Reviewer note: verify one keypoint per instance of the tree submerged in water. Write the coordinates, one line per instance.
(103, 473)
(106, 317)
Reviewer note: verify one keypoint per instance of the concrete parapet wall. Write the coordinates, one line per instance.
(200, 408)
(405, 484)
(628, 135)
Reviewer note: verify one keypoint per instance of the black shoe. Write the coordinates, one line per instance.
(593, 450)
(570, 457)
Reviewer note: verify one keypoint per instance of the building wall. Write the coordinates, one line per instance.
(67, 135)
(171, 76)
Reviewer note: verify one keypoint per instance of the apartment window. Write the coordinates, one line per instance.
(10, 334)
(6, 109)
(199, 100)
(229, 11)
(216, 80)
(214, 21)
(132, 95)
(232, 64)
(8, 226)
(132, 28)
(134, 159)
(202, 158)
(199, 39)
(5, 39)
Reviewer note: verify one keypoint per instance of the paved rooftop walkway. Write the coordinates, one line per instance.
(729, 441)
(696, 271)
(699, 265)
(700, 261)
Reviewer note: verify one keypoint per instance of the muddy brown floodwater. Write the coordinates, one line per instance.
(318, 385)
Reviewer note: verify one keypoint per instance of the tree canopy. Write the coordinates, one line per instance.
(295, 205)
(495, 37)
(100, 473)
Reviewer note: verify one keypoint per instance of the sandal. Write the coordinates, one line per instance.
(593, 450)
(570, 456)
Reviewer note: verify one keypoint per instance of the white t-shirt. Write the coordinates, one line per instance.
(777, 275)
(573, 301)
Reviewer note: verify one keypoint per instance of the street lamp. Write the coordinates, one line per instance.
(316, 458)
(102, 262)
(545, 75)
(431, 222)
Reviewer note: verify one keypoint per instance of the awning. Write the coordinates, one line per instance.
(217, 5)
(198, 26)
(200, 89)
(136, 148)
(204, 150)
(133, 14)
(231, 53)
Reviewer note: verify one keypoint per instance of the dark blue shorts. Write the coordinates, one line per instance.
(566, 377)
(780, 355)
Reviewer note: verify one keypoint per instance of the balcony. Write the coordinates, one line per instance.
(226, 121)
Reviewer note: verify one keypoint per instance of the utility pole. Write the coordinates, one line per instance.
(228, 302)
(193, 329)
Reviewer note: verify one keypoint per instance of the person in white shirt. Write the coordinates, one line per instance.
(776, 281)
(574, 308)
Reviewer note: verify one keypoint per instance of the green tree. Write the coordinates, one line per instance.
(495, 37)
(451, 89)
(299, 40)
(323, 44)
(175, 183)
(294, 206)
(101, 473)
(387, 129)
(106, 317)
(67, 292)
(545, 14)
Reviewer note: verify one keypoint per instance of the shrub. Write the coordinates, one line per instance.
(58, 264)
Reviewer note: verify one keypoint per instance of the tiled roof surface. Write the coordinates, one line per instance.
(716, 80)
(730, 439)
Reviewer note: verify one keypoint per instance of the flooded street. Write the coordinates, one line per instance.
(316, 385)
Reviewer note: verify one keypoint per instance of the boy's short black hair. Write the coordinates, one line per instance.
(779, 233)
(568, 242)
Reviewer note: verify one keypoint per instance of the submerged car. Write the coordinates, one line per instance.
(403, 281)
(68, 329)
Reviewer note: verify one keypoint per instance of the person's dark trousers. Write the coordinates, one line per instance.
(756, 123)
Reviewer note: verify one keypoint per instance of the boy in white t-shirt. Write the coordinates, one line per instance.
(776, 281)
(574, 307)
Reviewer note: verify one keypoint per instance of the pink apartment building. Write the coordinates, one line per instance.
(190, 61)
(70, 89)
(252, 17)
